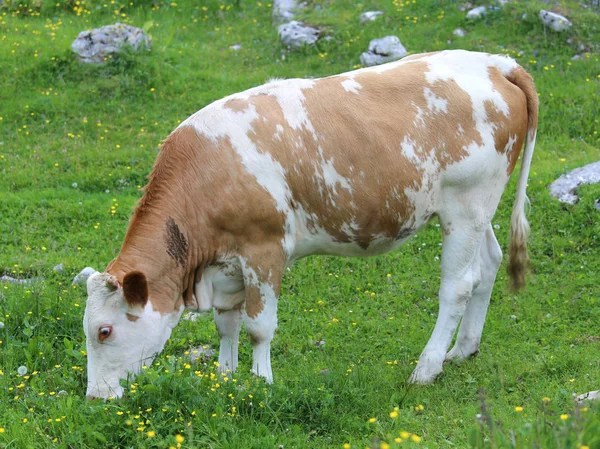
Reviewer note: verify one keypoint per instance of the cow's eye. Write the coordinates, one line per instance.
(104, 332)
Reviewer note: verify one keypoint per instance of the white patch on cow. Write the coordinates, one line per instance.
(330, 177)
(278, 133)
(132, 344)
(511, 142)
(460, 131)
(419, 117)
(350, 85)
(221, 286)
(290, 97)
(435, 103)
(408, 149)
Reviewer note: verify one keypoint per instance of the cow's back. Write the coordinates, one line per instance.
(363, 158)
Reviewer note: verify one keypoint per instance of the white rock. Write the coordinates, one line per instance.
(476, 13)
(13, 280)
(74, 185)
(22, 370)
(83, 275)
(204, 352)
(459, 32)
(589, 396)
(370, 16)
(192, 316)
(383, 50)
(93, 46)
(294, 34)
(563, 189)
(285, 10)
(1, 325)
(60, 268)
(235, 47)
(554, 21)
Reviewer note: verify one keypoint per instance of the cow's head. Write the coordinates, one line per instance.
(123, 330)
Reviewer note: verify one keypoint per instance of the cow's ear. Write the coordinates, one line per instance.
(135, 289)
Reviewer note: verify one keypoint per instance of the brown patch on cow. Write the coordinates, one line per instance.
(254, 301)
(366, 148)
(513, 125)
(131, 317)
(236, 104)
(177, 245)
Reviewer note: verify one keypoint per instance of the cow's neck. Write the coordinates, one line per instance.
(159, 245)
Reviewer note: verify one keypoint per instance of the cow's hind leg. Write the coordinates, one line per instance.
(228, 324)
(459, 277)
(471, 326)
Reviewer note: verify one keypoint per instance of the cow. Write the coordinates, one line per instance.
(347, 165)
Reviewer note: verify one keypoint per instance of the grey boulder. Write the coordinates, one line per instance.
(383, 50)
(370, 16)
(563, 189)
(295, 34)
(555, 21)
(93, 46)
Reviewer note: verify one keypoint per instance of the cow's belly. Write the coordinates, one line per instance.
(305, 238)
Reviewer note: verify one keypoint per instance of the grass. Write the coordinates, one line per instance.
(77, 141)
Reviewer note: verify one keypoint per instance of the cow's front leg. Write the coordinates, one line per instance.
(262, 281)
(228, 324)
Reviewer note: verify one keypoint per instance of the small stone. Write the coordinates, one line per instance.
(513, 317)
(589, 396)
(476, 13)
(285, 10)
(320, 343)
(1, 325)
(22, 370)
(459, 32)
(60, 268)
(83, 275)
(13, 280)
(555, 21)
(192, 316)
(74, 185)
(383, 50)
(235, 47)
(370, 16)
(295, 34)
(201, 352)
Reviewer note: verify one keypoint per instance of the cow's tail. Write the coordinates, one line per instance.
(518, 263)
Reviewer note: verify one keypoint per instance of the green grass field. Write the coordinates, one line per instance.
(77, 141)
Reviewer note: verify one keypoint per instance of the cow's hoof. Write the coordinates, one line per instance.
(457, 354)
(423, 375)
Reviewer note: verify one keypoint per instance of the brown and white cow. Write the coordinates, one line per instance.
(349, 165)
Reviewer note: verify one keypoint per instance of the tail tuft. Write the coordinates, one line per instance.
(518, 263)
